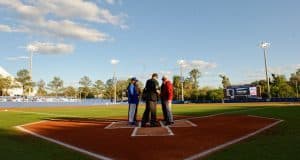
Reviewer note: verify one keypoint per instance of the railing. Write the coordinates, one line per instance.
(53, 102)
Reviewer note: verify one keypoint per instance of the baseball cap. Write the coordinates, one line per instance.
(134, 79)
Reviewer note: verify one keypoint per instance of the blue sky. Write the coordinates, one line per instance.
(149, 36)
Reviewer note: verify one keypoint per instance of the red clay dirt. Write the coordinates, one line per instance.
(119, 144)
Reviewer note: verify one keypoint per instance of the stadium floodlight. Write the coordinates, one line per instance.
(32, 49)
(114, 62)
(265, 46)
(182, 64)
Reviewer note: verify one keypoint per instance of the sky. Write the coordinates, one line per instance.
(77, 38)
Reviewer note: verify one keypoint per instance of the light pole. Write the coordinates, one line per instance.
(181, 65)
(265, 46)
(30, 69)
(31, 49)
(114, 62)
(297, 88)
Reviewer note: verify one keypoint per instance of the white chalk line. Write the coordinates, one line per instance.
(222, 146)
(134, 132)
(167, 127)
(98, 156)
(110, 126)
(222, 113)
(264, 117)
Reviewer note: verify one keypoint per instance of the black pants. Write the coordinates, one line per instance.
(150, 108)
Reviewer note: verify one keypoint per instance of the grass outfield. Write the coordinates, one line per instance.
(281, 142)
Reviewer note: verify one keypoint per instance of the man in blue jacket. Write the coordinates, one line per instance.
(133, 100)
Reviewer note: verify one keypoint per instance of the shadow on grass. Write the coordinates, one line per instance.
(16, 145)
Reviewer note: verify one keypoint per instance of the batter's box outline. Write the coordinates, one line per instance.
(119, 125)
(167, 130)
(183, 123)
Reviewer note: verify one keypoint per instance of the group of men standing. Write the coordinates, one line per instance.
(151, 94)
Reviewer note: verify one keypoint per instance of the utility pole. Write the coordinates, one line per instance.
(181, 65)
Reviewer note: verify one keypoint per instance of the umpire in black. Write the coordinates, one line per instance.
(151, 96)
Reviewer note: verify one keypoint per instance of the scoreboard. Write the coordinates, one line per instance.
(242, 92)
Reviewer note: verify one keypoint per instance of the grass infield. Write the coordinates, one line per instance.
(281, 142)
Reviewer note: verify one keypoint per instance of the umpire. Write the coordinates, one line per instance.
(151, 96)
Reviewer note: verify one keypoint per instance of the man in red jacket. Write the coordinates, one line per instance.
(166, 100)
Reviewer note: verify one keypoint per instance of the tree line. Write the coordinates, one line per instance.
(280, 86)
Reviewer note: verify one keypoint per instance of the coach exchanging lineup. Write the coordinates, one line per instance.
(166, 100)
(151, 95)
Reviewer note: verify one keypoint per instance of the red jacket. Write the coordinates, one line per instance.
(167, 91)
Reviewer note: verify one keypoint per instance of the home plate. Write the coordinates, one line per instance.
(120, 124)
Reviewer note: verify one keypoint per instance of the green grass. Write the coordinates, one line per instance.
(281, 142)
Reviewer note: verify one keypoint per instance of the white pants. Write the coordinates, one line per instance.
(131, 112)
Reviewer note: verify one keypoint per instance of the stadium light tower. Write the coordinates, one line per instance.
(32, 49)
(182, 64)
(265, 46)
(114, 62)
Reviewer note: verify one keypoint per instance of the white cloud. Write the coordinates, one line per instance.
(7, 28)
(49, 48)
(166, 73)
(203, 64)
(199, 64)
(17, 58)
(79, 9)
(62, 18)
(110, 1)
(70, 29)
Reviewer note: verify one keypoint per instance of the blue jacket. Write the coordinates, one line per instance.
(133, 96)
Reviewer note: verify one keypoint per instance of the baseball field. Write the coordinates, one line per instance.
(268, 131)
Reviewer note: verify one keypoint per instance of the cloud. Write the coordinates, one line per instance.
(70, 29)
(63, 18)
(166, 73)
(7, 28)
(202, 64)
(199, 64)
(17, 58)
(49, 48)
(110, 1)
(80, 9)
